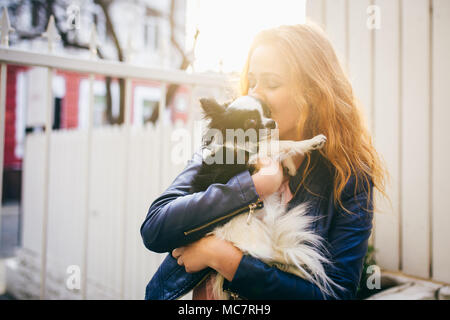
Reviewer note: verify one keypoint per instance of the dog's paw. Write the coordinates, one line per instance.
(285, 155)
(289, 165)
(292, 171)
(318, 142)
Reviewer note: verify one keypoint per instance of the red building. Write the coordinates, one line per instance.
(71, 98)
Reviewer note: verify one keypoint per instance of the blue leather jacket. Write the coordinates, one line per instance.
(177, 218)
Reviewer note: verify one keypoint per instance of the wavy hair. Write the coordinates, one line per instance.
(327, 105)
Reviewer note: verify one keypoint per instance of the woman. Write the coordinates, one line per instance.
(294, 69)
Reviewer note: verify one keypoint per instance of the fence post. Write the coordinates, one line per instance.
(84, 270)
(160, 131)
(125, 194)
(52, 36)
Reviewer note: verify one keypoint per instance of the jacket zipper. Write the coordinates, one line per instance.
(250, 207)
(250, 212)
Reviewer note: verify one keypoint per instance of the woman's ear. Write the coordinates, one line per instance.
(211, 108)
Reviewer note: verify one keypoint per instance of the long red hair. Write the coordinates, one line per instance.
(327, 105)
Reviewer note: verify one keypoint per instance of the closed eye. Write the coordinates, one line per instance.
(271, 84)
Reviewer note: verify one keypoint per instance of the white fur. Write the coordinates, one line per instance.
(246, 103)
(283, 150)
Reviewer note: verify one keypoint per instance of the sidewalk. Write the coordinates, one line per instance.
(9, 241)
(9, 229)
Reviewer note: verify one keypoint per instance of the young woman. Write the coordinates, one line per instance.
(294, 69)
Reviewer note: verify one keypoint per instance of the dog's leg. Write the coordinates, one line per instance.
(302, 147)
(284, 150)
(290, 165)
(287, 149)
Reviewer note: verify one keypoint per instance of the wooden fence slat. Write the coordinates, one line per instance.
(441, 141)
(415, 137)
(336, 27)
(315, 11)
(66, 202)
(386, 131)
(360, 55)
(33, 195)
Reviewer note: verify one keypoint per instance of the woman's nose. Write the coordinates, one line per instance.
(256, 91)
(257, 94)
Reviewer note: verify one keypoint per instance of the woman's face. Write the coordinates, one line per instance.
(270, 79)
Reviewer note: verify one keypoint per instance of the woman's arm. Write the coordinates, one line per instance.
(178, 218)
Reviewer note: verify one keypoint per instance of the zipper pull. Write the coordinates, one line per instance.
(252, 207)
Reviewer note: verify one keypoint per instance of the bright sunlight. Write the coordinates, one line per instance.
(227, 28)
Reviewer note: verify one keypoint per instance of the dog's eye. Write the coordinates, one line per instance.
(250, 123)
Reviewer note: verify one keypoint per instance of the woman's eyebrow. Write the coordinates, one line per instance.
(266, 74)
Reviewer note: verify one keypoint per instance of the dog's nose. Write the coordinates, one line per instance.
(271, 124)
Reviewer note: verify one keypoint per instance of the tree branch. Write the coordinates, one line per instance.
(104, 5)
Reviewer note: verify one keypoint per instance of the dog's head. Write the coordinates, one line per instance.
(234, 132)
(246, 112)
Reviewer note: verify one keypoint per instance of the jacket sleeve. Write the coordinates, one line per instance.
(347, 245)
(177, 217)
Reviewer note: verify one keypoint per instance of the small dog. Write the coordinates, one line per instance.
(279, 238)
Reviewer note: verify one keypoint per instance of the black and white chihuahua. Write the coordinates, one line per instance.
(278, 237)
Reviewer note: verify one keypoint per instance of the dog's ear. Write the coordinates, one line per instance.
(211, 108)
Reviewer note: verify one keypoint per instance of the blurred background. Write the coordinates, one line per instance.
(99, 113)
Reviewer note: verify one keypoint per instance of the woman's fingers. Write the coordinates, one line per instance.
(270, 167)
(176, 253)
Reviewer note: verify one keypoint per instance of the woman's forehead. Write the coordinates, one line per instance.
(267, 61)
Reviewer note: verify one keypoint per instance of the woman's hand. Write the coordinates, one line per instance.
(269, 177)
(195, 256)
(212, 252)
(285, 192)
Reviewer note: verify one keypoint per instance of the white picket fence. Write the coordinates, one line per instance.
(99, 185)
(401, 73)
(128, 168)
(125, 177)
